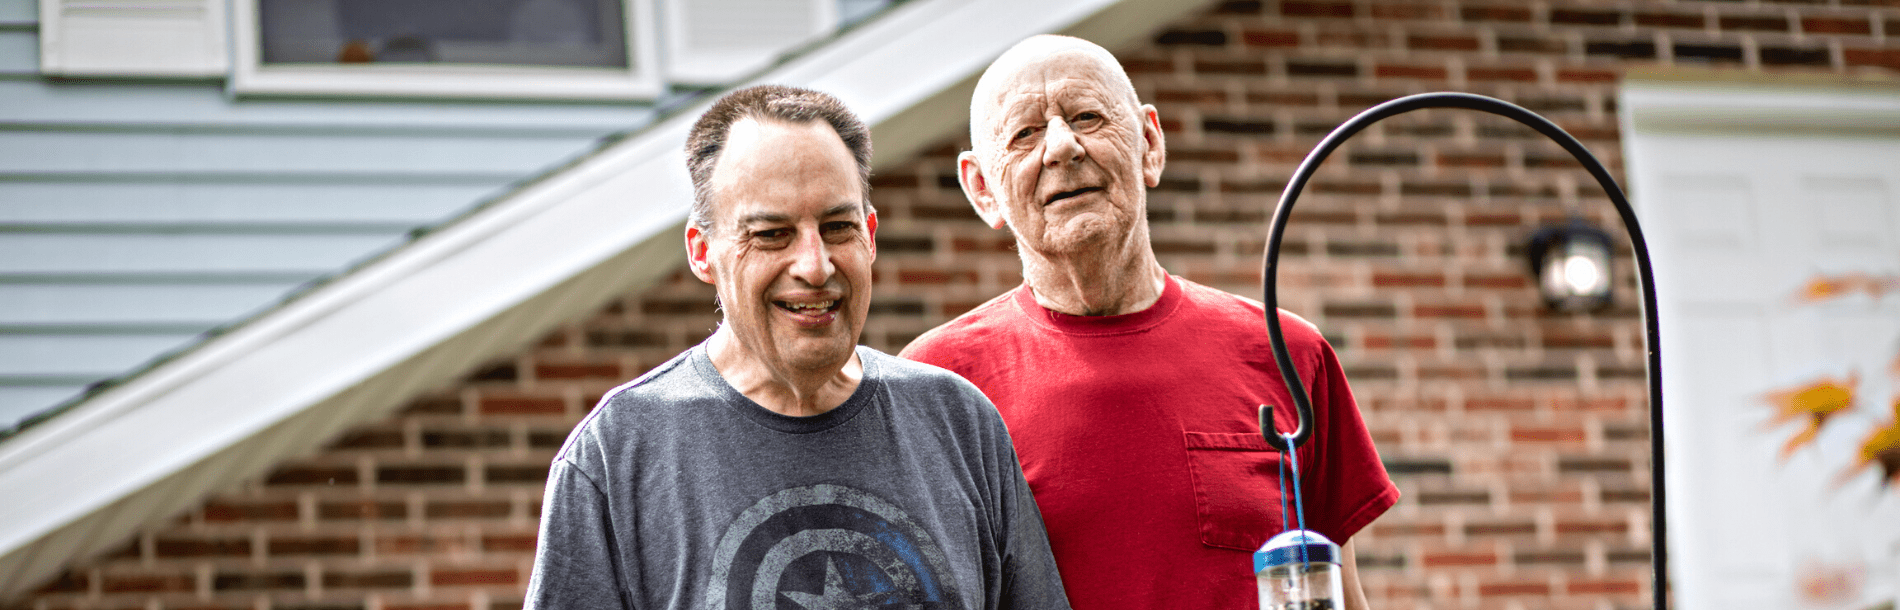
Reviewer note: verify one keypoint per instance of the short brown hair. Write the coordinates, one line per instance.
(778, 102)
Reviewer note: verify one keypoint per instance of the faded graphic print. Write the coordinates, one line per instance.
(826, 547)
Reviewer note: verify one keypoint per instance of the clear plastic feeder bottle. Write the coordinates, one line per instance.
(1299, 570)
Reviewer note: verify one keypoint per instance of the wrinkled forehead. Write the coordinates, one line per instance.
(1028, 73)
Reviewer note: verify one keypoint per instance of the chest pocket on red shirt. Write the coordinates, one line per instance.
(1236, 488)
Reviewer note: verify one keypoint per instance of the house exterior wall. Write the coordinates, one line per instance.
(136, 215)
(1518, 437)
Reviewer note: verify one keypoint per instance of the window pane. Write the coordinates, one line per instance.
(491, 32)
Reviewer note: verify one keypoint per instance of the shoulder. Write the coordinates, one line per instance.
(972, 328)
(908, 378)
(1220, 308)
(929, 392)
(615, 420)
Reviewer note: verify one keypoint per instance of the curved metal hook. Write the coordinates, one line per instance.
(1645, 277)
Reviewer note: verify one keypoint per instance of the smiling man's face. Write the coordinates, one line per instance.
(791, 257)
(1064, 152)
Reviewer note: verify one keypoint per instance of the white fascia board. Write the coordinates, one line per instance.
(1702, 101)
(358, 347)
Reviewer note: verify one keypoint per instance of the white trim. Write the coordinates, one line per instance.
(640, 80)
(697, 62)
(358, 347)
(164, 38)
(1660, 105)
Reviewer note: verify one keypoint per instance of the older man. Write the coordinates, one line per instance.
(1131, 394)
(777, 464)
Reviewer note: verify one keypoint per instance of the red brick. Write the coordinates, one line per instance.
(1386, 9)
(250, 511)
(1300, 8)
(1408, 280)
(369, 510)
(1603, 587)
(1191, 96)
(1499, 404)
(1459, 560)
(1501, 74)
(449, 578)
(1384, 341)
(421, 544)
(517, 543)
(1587, 75)
(167, 583)
(1670, 20)
(1505, 281)
(1500, 12)
(1836, 25)
(1882, 58)
(1270, 38)
(577, 370)
(1529, 434)
(1753, 23)
(1385, 70)
(1443, 42)
(1514, 588)
(523, 405)
(313, 546)
(1591, 527)
(1470, 160)
(934, 276)
(1468, 312)
(202, 547)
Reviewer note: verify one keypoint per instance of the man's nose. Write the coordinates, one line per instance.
(811, 261)
(1059, 145)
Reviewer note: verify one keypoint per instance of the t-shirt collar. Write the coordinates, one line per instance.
(1102, 325)
(860, 399)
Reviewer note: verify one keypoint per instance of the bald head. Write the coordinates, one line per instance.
(1037, 53)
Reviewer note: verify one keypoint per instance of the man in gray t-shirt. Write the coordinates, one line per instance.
(778, 465)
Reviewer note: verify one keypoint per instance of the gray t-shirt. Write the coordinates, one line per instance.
(679, 492)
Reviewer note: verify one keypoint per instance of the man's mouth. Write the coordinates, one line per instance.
(810, 308)
(1067, 194)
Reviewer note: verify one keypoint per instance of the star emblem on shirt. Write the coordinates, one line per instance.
(836, 596)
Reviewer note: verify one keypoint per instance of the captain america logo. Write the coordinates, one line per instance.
(829, 547)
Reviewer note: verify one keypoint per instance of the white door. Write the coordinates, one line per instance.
(1773, 215)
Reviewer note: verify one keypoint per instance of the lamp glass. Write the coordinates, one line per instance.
(1574, 269)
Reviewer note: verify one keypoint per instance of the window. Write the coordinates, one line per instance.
(566, 49)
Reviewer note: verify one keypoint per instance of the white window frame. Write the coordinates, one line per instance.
(640, 80)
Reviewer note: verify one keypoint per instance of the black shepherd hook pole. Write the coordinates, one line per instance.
(1644, 276)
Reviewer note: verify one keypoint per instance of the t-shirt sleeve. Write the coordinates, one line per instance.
(575, 565)
(1346, 474)
(1029, 579)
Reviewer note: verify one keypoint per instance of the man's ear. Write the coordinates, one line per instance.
(1157, 155)
(870, 226)
(970, 175)
(696, 253)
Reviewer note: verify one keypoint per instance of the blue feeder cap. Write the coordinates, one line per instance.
(1285, 549)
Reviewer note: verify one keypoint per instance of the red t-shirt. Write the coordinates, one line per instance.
(1139, 436)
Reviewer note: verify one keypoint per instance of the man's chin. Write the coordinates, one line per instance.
(818, 354)
(1081, 236)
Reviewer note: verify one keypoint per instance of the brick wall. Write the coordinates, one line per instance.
(1519, 437)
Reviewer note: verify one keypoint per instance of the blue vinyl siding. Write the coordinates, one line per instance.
(137, 215)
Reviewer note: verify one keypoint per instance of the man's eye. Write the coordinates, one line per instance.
(841, 225)
(1086, 119)
(771, 234)
(1024, 133)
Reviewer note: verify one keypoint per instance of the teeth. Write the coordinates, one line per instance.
(809, 307)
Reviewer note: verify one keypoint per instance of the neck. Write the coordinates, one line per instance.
(781, 389)
(1096, 283)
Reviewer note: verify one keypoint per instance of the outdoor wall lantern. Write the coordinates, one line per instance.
(1572, 265)
(1583, 262)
